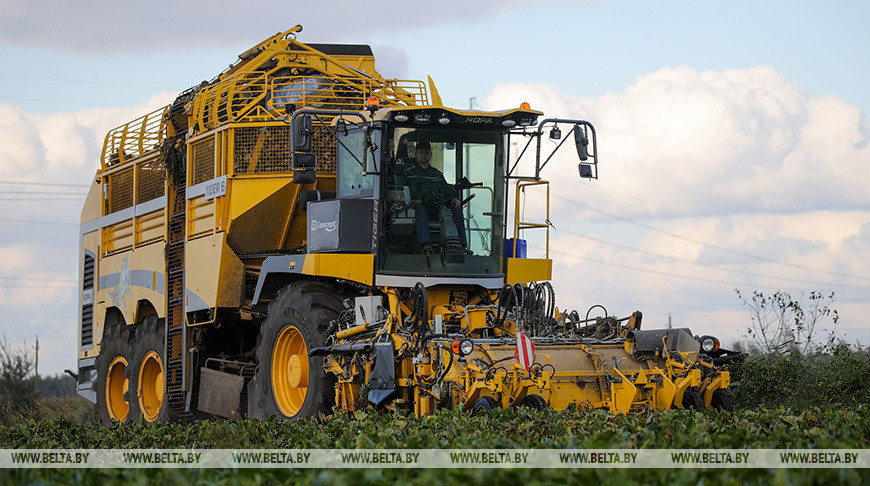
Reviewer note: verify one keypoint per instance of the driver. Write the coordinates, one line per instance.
(428, 192)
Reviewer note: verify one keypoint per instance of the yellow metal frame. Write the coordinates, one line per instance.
(519, 225)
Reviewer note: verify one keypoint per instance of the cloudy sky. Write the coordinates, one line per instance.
(733, 136)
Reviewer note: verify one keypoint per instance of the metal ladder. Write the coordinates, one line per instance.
(176, 328)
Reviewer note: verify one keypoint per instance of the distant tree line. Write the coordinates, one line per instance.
(20, 386)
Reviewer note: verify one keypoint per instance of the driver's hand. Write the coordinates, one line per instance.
(454, 202)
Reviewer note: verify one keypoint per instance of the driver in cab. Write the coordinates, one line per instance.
(430, 191)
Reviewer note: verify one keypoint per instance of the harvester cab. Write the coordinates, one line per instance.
(440, 179)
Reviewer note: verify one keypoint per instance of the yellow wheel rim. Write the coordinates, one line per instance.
(151, 386)
(116, 386)
(290, 371)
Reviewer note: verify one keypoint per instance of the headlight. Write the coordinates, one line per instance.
(709, 344)
(462, 347)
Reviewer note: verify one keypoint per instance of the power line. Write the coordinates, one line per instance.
(36, 222)
(60, 102)
(81, 81)
(41, 193)
(704, 243)
(53, 198)
(37, 279)
(49, 184)
(43, 287)
(667, 274)
(742, 272)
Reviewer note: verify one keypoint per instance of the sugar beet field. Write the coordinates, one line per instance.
(773, 428)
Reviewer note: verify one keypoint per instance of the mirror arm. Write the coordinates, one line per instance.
(520, 157)
(538, 173)
(316, 114)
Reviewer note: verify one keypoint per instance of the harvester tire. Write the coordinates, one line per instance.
(289, 384)
(484, 404)
(692, 400)
(535, 402)
(721, 401)
(147, 372)
(112, 383)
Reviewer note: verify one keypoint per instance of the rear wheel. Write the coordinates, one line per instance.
(289, 384)
(147, 395)
(112, 383)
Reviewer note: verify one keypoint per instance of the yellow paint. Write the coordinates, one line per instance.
(355, 267)
(151, 386)
(289, 372)
(525, 270)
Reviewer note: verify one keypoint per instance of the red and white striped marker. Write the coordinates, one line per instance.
(525, 352)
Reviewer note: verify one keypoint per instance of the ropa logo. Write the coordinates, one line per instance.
(321, 225)
(478, 119)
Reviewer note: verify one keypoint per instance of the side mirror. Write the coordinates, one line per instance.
(304, 168)
(302, 131)
(581, 140)
(585, 171)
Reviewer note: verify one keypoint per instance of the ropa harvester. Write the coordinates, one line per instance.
(273, 243)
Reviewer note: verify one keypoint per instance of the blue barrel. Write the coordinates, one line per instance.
(520, 245)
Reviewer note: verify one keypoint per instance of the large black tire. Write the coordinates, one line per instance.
(112, 384)
(692, 400)
(288, 384)
(147, 372)
(484, 404)
(533, 401)
(721, 401)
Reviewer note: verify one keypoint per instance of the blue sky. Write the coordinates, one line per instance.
(733, 135)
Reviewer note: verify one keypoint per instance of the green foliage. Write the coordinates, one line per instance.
(507, 428)
(18, 381)
(503, 428)
(839, 377)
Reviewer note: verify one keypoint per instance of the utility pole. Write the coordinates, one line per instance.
(36, 365)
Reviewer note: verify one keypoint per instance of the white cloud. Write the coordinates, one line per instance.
(683, 142)
(710, 181)
(60, 147)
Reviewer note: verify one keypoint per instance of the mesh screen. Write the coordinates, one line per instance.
(323, 145)
(121, 190)
(151, 181)
(202, 157)
(261, 150)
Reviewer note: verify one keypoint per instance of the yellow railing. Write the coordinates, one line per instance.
(134, 139)
(251, 96)
(520, 225)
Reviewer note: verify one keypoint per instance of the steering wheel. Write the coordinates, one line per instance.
(440, 195)
(447, 192)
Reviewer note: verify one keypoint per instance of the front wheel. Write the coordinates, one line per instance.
(721, 401)
(692, 400)
(288, 383)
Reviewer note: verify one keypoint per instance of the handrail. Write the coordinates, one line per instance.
(519, 225)
(134, 139)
